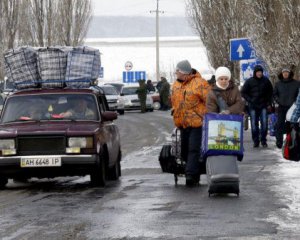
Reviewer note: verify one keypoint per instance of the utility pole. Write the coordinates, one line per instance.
(157, 39)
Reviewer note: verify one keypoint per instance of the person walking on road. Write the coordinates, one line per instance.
(225, 97)
(164, 94)
(150, 87)
(285, 94)
(142, 94)
(188, 97)
(258, 92)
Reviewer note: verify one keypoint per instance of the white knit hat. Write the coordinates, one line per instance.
(222, 72)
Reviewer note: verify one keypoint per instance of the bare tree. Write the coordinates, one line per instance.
(42, 23)
(9, 12)
(275, 33)
(217, 22)
(38, 25)
(74, 19)
(271, 25)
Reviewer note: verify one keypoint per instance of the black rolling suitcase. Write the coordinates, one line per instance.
(222, 174)
(170, 157)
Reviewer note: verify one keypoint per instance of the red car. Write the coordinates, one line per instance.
(59, 132)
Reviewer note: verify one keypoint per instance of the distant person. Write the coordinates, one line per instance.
(164, 94)
(258, 91)
(150, 87)
(158, 85)
(225, 97)
(142, 94)
(189, 93)
(285, 94)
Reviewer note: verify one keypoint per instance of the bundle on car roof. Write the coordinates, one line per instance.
(52, 67)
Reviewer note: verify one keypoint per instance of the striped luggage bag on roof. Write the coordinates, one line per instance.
(21, 67)
(52, 65)
(83, 66)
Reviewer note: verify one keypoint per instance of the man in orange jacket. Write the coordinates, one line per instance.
(188, 99)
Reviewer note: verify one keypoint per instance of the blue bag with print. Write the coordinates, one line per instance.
(272, 120)
(222, 135)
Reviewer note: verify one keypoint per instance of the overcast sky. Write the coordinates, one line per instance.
(138, 7)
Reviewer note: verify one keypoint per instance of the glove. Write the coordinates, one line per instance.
(225, 112)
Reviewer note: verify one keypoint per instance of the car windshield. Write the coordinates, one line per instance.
(50, 107)
(109, 90)
(117, 86)
(129, 91)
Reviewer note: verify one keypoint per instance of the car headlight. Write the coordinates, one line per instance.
(81, 142)
(7, 146)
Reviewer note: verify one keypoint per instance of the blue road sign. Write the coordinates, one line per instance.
(247, 68)
(101, 72)
(133, 76)
(241, 49)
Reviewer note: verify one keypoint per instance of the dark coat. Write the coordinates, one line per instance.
(258, 92)
(231, 96)
(164, 92)
(286, 90)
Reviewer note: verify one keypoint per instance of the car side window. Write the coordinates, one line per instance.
(103, 105)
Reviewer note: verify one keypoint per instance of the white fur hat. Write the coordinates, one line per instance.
(222, 72)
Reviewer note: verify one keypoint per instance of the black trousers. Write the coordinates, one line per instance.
(191, 139)
(281, 124)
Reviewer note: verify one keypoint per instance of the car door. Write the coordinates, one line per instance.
(111, 133)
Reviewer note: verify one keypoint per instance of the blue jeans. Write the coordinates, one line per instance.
(191, 139)
(259, 131)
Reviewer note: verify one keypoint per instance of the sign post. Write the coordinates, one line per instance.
(133, 76)
(241, 49)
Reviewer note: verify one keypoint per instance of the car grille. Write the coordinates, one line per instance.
(135, 101)
(45, 145)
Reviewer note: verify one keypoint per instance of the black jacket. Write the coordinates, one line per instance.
(258, 92)
(286, 90)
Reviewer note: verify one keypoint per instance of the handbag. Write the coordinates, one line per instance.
(290, 149)
(272, 120)
(290, 112)
(222, 135)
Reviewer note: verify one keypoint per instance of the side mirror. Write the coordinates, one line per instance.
(109, 116)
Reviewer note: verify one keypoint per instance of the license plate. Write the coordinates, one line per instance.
(41, 161)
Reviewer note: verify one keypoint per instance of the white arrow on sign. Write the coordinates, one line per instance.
(240, 50)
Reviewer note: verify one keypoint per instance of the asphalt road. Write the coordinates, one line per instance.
(145, 203)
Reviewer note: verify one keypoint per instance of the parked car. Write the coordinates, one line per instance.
(156, 99)
(118, 86)
(112, 97)
(130, 99)
(59, 132)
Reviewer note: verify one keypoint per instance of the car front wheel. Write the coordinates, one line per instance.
(156, 105)
(3, 182)
(121, 112)
(115, 171)
(98, 175)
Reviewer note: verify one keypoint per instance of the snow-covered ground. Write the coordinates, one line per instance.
(142, 53)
